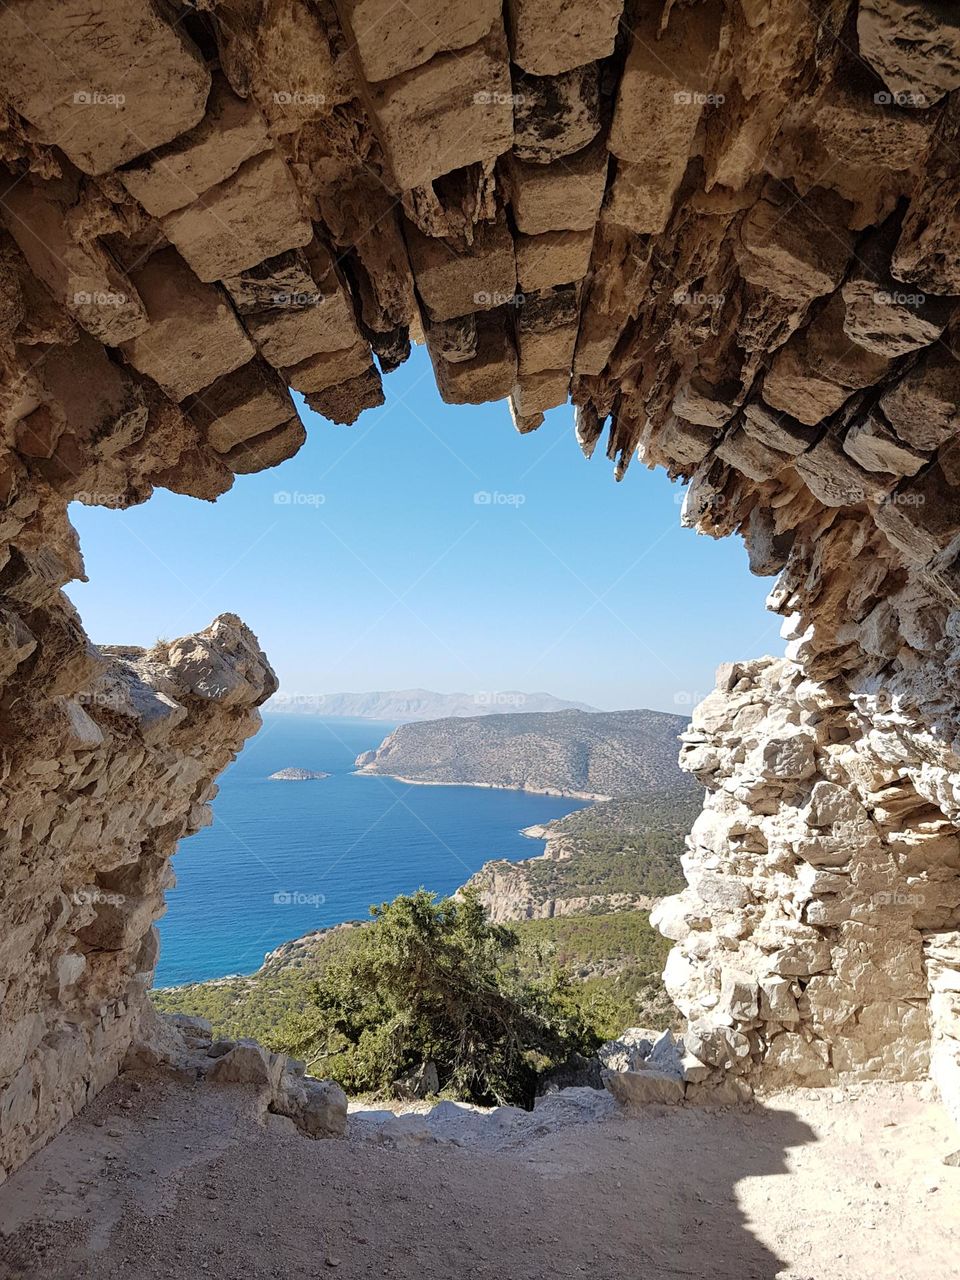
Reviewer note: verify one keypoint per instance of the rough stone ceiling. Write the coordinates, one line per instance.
(726, 230)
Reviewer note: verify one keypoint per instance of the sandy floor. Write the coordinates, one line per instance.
(174, 1180)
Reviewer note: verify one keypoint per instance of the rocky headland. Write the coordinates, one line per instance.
(589, 755)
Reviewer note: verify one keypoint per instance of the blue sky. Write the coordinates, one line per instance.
(368, 562)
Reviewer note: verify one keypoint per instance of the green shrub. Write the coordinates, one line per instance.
(434, 981)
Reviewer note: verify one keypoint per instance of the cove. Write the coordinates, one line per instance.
(283, 858)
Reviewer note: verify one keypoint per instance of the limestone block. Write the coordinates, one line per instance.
(726, 892)
(317, 1107)
(750, 456)
(454, 340)
(389, 39)
(777, 1001)
(801, 1060)
(103, 85)
(920, 517)
(81, 277)
(230, 133)
(687, 442)
(553, 116)
(739, 996)
(915, 49)
(863, 129)
(241, 405)
(872, 444)
(641, 196)
(665, 86)
(778, 430)
(247, 1063)
(455, 278)
(98, 398)
(552, 258)
(281, 54)
(563, 196)
(288, 335)
(547, 326)
(524, 425)
(786, 756)
(121, 920)
(927, 255)
(267, 450)
(535, 393)
(345, 401)
(891, 321)
(327, 368)
(715, 1043)
(194, 336)
(637, 1088)
(922, 407)
(798, 250)
(818, 369)
(285, 280)
(252, 215)
(699, 402)
(548, 37)
(837, 480)
(453, 111)
(490, 375)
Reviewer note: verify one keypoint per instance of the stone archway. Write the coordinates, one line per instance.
(728, 231)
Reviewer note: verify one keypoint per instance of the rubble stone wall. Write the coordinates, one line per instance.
(726, 230)
(93, 806)
(817, 938)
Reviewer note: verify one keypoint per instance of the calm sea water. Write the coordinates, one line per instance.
(282, 858)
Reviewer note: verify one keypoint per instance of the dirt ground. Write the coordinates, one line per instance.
(188, 1180)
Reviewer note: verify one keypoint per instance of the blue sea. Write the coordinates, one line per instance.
(282, 858)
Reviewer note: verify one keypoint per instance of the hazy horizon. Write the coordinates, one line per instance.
(430, 546)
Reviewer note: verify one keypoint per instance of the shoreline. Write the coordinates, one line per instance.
(488, 786)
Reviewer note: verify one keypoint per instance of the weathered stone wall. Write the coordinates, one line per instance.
(726, 229)
(817, 937)
(94, 801)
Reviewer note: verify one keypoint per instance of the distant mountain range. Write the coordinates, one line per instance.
(405, 705)
(599, 754)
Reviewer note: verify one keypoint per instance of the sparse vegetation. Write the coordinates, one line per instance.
(619, 846)
(494, 1006)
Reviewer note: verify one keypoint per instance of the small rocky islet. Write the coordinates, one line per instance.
(297, 775)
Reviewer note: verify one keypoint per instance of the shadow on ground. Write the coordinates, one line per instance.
(189, 1181)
